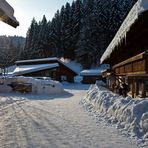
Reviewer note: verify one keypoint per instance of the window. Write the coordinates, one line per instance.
(63, 78)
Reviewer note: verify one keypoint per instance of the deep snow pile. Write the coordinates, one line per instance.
(39, 86)
(128, 113)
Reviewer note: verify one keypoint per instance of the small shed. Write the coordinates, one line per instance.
(91, 76)
(46, 67)
(7, 14)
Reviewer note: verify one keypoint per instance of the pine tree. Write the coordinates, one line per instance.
(43, 38)
(84, 50)
(76, 15)
(55, 35)
(66, 28)
(31, 41)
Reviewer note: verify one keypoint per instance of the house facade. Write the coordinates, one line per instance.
(55, 68)
(128, 52)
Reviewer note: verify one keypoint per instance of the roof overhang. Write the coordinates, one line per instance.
(7, 14)
(138, 16)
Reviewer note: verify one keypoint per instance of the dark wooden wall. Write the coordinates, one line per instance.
(91, 79)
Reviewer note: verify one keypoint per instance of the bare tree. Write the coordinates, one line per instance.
(8, 57)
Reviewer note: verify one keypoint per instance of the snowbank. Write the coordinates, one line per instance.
(38, 86)
(128, 113)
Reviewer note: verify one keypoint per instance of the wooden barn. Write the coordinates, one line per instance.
(128, 52)
(90, 76)
(7, 14)
(46, 67)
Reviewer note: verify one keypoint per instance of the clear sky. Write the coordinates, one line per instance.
(25, 10)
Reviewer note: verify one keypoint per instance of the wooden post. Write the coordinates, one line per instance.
(136, 87)
(133, 88)
(143, 89)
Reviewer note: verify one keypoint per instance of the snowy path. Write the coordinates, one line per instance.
(54, 122)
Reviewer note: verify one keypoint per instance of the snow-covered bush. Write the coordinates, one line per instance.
(128, 113)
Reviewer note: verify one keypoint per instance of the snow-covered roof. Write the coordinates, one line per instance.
(24, 69)
(95, 71)
(77, 67)
(91, 72)
(7, 14)
(48, 59)
(37, 60)
(140, 7)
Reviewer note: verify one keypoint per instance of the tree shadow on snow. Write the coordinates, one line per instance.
(29, 96)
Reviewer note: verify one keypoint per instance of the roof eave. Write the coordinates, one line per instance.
(121, 35)
(7, 14)
(7, 19)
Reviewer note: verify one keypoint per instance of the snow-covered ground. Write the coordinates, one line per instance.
(128, 115)
(54, 121)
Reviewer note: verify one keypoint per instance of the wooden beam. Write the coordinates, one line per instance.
(132, 73)
(135, 58)
(140, 73)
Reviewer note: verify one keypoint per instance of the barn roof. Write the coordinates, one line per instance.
(24, 69)
(7, 14)
(36, 60)
(55, 59)
(140, 7)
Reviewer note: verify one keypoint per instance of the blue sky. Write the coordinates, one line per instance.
(25, 10)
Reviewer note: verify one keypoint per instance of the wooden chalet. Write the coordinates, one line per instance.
(7, 14)
(128, 52)
(46, 67)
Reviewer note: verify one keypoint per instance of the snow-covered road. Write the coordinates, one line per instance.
(56, 121)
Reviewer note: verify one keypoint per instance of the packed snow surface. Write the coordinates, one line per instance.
(54, 121)
(138, 8)
(128, 114)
